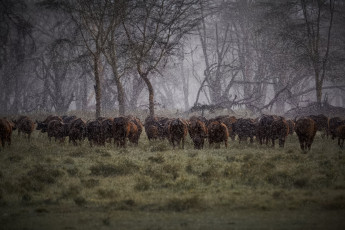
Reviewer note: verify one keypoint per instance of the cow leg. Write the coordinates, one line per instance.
(273, 142)
(3, 142)
(342, 143)
(226, 144)
(182, 143)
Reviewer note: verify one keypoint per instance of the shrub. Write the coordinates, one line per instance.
(106, 170)
(182, 204)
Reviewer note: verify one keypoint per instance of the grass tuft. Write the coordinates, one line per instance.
(183, 204)
(123, 168)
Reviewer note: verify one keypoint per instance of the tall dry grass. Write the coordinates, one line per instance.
(153, 176)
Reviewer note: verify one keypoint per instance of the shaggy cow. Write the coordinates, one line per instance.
(94, 132)
(68, 119)
(136, 128)
(24, 124)
(228, 121)
(56, 129)
(322, 123)
(340, 133)
(107, 130)
(217, 133)
(5, 131)
(163, 127)
(77, 130)
(305, 129)
(264, 128)
(121, 129)
(133, 134)
(177, 132)
(279, 130)
(151, 128)
(197, 132)
(43, 126)
(334, 123)
(245, 128)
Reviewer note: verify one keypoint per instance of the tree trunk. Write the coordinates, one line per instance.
(120, 96)
(97, 85)
(151, 94)
(138, 86)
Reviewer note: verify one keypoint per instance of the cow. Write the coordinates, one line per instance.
(322, 123)
(163, 124)
(133, 134)
(136, 128)
(333, 124)
(228, 121)
(291, 124)
(107, 130)
(340, 133)
(177, 132)
(152, 128)
(24, 124)
(43, 126)
(279, 130)
(197, 132)
(68, 119)
(245, 128)
(264, 128)
(55, 128)
(199, 118)
(121, 129)
(217, 133)
(77, 131)
(94, 132)
(305, 129)
(6, 128)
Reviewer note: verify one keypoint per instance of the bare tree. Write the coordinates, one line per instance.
(154, 29)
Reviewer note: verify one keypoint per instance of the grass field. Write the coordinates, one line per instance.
(48, 185)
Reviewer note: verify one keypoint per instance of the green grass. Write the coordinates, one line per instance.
(153, 176)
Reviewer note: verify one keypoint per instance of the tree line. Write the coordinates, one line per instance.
(128, 54)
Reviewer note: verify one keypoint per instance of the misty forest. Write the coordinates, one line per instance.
(124, 56)
(172, 114)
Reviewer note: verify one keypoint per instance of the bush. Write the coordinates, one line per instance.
(182, 204)
(123, 168)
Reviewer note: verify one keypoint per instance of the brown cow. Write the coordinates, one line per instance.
(121, 129)
(322, 123)
(56, 129)
(94, 132)
(264, 128)
(77, 131)
(228, 121)
(6, 128)
(305, 129)
(43, 126)
(107, 133)
(24, 124)
(177, 132)
(217, 133)
(197, 132)
(151, 128)
(133, 134)
(163, 127)
(340, 133)
(279, 130)
(245, 128)
(139, 125)
(333, 124)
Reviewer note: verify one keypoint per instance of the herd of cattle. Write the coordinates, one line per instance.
(265, 129)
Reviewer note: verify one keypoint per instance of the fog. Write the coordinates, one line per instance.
(117, 56)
